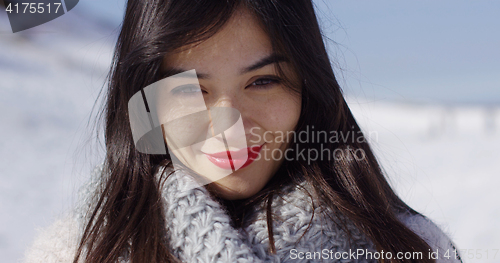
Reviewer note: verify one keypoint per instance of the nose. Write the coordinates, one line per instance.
(236, 116)
(230, 101)
(224, 101)
(235, 101)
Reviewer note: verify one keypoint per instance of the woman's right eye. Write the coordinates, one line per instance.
(189, 89)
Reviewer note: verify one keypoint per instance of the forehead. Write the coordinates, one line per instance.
(239, 42)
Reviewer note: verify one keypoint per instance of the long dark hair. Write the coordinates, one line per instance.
(130, 195)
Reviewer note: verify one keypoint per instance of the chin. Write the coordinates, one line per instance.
(246, 182)
(234, 187)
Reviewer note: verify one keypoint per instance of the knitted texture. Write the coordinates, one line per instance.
(199, 229)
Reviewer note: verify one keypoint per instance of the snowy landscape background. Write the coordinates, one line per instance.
(421, 78)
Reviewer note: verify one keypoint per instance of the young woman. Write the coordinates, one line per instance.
(301, 186)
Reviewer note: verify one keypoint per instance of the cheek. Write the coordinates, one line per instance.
(283, 114)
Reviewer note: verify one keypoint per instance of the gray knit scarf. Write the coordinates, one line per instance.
(200, 229)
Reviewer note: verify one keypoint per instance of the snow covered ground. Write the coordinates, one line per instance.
(443, 159)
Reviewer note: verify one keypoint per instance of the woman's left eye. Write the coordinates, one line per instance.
(264, 83)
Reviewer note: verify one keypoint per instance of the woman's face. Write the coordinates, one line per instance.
(236, 69)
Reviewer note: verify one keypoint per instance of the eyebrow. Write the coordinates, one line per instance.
(174, 71)
(272, 58)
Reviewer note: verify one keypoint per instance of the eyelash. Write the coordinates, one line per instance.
(270, 81)
(186, 89)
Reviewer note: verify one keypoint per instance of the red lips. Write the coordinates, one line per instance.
(231, 159)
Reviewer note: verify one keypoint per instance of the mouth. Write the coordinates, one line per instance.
(234, 160)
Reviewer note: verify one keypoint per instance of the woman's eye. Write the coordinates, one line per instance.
(264, 83)
(189, 89)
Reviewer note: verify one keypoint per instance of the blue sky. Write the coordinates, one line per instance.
(447, 51)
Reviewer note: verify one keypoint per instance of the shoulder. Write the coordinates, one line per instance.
(56, 243)
(439, 241)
